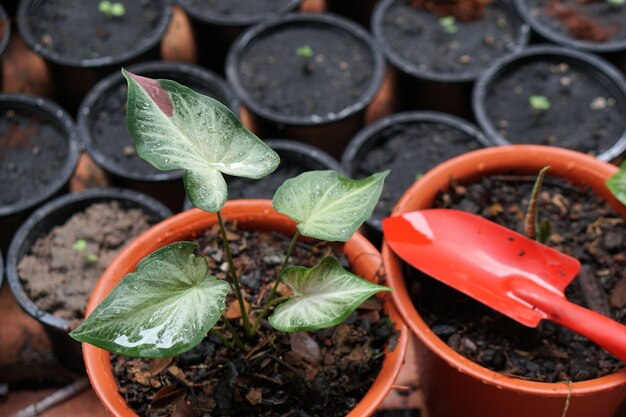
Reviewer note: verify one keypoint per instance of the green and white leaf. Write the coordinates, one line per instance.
(163, 309)
(617, 184)
(323, 296)
(174, 127)
(328, 205)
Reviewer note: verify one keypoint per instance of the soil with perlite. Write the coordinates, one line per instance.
(417, 36)
(574, 94)
(63, 266)
(33, 151)
(280, 79)
(583, 226)
(322, 373)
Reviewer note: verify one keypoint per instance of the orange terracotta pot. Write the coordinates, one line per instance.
(455, 386)
(251, 214)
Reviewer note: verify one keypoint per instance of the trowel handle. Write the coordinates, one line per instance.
(603, 331)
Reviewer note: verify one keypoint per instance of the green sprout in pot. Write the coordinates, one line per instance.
(617, 184)
(111, 9)
(533, 228)
(169, 304)
(306, 53)
(81, 246)
(539, 103)
(448, 23)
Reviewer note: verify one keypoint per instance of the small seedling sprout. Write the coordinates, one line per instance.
(534, 229)
(111, 9)
(304, 51)
(81, 246)
(539, 103)
(169, 304)
(448, 23)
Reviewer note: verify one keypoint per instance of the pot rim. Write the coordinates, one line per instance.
(102, 61)
(17, 250)
(565, 163)
(602, 70)
(188, 224)
(552, 35)
(362, 142)
(521, 40)
(4, 42)
(104, 88)
(330, 20)
(53, 114)
(218, 19)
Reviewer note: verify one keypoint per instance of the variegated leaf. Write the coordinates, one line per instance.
(617, 184)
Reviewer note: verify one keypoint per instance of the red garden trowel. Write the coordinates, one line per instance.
(502, 269)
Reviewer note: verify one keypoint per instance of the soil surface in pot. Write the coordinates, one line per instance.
(587, 20)
(63, 266)
(409, 150)
(32, 153)
(306, 69)
(574, 94)
(583, 226)
(319, 373)
(76, 29)
(109, 131)
(419, 38)
(235, 8)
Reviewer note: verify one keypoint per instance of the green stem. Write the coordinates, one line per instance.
(233, 332)
(233, 274)
(268, 302)
(530, 221)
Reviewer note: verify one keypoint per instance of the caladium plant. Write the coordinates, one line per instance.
(170, 302)
(617, 184)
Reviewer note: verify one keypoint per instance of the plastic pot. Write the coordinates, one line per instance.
(595, 67)
(214, 32)
(42, 221)
(13, 214)
(1, 271)
(5, 27)
(295, 157)
(256, 214)
(481, 392)
(448, 92)
(358, 10)
(74, 76)
(328, 130)
(132, 172)
(377, 133)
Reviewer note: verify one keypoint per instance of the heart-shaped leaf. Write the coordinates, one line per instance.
(323, 296)
(174, 127)
(617, 184)
(327, 205)
(163, 309)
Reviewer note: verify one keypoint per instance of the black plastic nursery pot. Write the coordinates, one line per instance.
(102, 124)
(358, 10)
(295, 158)
(1, 271)
(5, 35)
(81, 44)
(39, 150)
(434, 65)
(216, 24)
(409, 144)
(585, 98)
(44, 221)
(308, 77)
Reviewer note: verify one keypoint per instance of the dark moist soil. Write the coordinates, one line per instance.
(109, 130)
(76, 29)
(234, 8)
(58, 277)
(586, 20)
(323, 373)
(334, 78)
(33, 151)
(417, 37)
(583, 226)
(576, 94)
(409, 150)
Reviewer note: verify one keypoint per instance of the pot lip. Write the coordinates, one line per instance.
(299, 19)
(218, 19)
(195, 219)
(4, 42)
(362, 141)
(521, 40)
(552, 35)
(602, 70)
(104, 87)
(53, 114)
(571, 162)
(102, 61)
(17, 249)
